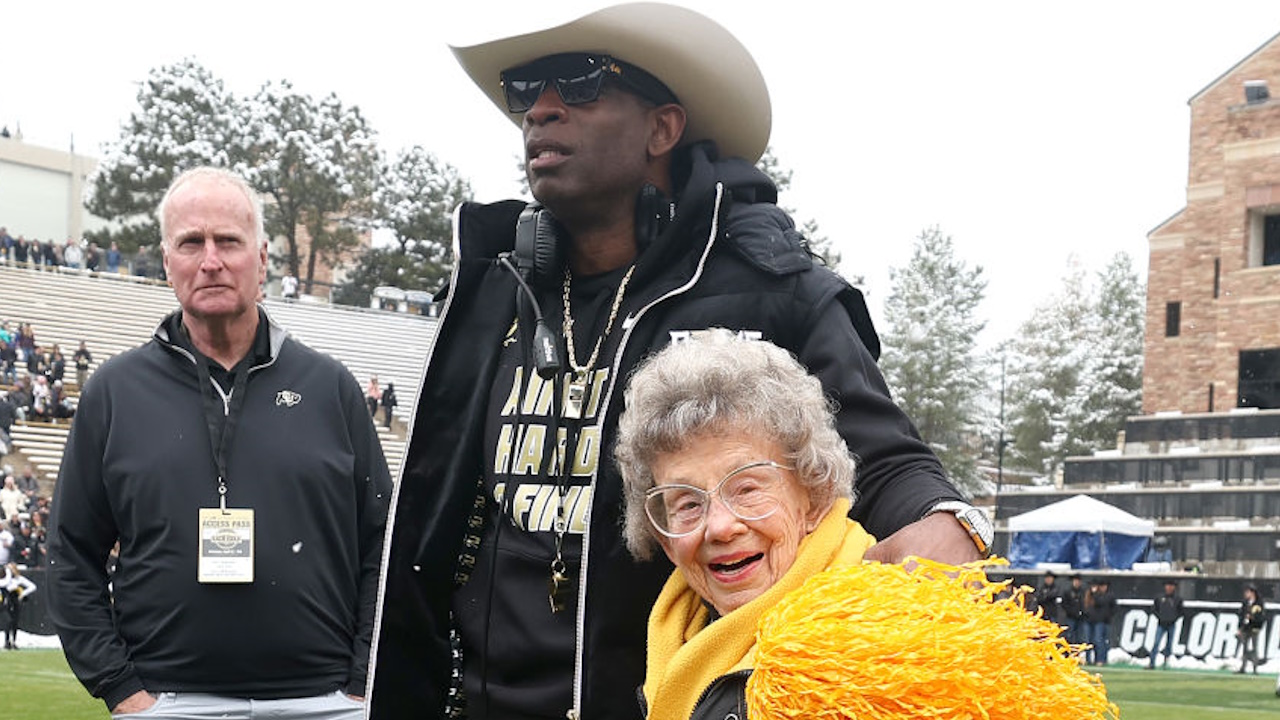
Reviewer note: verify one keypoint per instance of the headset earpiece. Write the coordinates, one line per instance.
(537, 248)
(653, 212)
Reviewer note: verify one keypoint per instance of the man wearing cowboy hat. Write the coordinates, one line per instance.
(507, 590)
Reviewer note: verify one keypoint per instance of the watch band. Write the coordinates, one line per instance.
(973, 520)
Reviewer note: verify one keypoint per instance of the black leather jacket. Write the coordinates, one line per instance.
(724, 699)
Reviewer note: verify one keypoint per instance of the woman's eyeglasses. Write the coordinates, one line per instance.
(750, 492)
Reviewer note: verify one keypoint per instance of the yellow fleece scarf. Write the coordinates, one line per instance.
(685, 654)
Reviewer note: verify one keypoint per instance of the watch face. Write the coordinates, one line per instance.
(981, 523)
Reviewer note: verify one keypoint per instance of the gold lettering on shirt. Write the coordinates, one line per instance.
(587, 453)
(529, 458)
(521, 449)
(502, 455)
(534, 506)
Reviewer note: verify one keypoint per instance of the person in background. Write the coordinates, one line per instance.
(29, 544)
(1167, 609)
(246, 488)
(20, 397)
(41, 394)
(83, 359)
(25, 339)
(60, 407)
(1253, 618)
(389, 403)
(1072, 606)
(16, 588)
(12, 500)
(113, 258)
(1159, 550)
(1048, 599)
(1100, 609)
(373, 395)
(8, 414)
(142, 262)
(8, 362)
(57, 365)
(29, 484)
(21, 251)
(92, 258)
(7, 539)
(72, 254)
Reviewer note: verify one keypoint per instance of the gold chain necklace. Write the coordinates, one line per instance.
(560, 586)
(568, 322)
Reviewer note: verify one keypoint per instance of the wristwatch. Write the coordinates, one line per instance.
(973, 520)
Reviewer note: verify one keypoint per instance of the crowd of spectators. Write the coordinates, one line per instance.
(77, 254)
(31, 389)
(24, 516)
(32, 378)
(25, 511)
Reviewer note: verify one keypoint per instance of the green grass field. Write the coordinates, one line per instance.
(38, 685)
(1190, 694)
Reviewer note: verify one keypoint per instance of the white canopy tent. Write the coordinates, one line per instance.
(1082, 531)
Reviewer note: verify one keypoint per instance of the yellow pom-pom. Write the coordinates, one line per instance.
(934, 641)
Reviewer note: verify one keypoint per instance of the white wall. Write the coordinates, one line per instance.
(41, 191)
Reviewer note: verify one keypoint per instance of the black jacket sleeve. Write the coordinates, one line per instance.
(899, 478)
(82, 532)
(372, 474)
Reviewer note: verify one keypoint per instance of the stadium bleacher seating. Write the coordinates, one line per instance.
(113, 313)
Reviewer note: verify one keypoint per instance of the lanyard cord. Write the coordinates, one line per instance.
(221, 415)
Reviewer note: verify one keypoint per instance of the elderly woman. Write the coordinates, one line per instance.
(733, 466)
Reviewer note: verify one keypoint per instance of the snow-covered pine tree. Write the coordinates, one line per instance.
(1076, 368)
(318, 161)
(415, 199)
(185, 118)
(930, 357)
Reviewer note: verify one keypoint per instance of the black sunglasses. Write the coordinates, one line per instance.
(578, 78)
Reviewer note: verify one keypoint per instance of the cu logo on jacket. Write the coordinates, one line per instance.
(288, 398)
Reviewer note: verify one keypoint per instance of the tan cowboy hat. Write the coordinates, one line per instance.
(716, 79)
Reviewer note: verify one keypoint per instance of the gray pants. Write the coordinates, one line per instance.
(197, 706)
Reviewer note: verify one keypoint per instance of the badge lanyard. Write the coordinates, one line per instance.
(221, 419)
(226, 537)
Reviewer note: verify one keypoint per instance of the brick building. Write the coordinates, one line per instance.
(1213, 289)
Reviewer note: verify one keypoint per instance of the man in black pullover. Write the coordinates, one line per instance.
(242, 478)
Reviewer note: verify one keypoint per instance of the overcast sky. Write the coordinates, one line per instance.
(1028, 131)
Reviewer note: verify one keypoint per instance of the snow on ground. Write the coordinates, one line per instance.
(27, 640)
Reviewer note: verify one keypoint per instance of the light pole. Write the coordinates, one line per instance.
(1001, 441)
